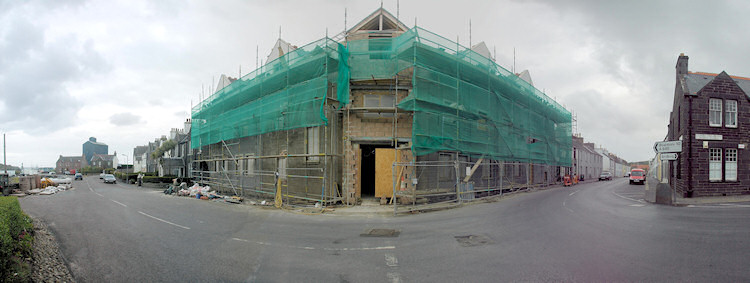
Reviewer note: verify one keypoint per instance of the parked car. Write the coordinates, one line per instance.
(605, 176)
(637, 176)
(109, 178)
(79, 176)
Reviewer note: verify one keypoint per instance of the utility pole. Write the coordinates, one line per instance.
(5, 157)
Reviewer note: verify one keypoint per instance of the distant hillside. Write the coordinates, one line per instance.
(639, 163)
(10, 167)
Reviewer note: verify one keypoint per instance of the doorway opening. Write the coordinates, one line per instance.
(367, 176)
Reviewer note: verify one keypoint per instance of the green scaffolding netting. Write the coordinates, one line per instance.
(462, 101)
(284, 94)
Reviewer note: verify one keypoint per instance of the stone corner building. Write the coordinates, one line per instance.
(711, 115)
(379, 109)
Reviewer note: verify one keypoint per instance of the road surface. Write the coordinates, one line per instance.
(597, 231)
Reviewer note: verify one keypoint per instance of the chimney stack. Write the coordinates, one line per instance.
(682, 64)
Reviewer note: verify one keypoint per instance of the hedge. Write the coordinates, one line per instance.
(15, 241)
(155, 179)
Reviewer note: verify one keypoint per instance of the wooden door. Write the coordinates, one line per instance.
(358, 169)
(384, 158)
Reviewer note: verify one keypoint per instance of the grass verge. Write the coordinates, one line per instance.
(16, 241)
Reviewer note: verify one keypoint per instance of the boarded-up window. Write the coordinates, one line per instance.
(313, 144)
(379, 101)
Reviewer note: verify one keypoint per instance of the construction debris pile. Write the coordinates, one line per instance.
(201, 192)
(49, 190)
(41, 186)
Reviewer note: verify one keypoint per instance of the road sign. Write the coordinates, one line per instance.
(669, 156)
(668, 146)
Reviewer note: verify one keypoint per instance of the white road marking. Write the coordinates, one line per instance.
(393, 277)
(165, 221)
(391, 260)
(637, 205)
(573, 193)
(314, 248)
(571, 211)
(627, 198)
(117, 202)
(101, 195)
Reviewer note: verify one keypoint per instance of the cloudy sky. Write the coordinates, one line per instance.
(126, 72)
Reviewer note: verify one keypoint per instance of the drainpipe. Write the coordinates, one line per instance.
(689, 193)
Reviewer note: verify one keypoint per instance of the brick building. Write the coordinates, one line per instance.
(68, 163)
(711, 115)
(104, 161)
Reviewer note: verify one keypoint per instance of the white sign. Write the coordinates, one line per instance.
(668, 146)
(709, 137)
(669, 156)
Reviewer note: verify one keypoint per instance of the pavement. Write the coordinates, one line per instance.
(678, 200)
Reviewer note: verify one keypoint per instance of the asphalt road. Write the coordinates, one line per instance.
(598, 231)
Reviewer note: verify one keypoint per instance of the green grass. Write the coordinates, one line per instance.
(16, 238)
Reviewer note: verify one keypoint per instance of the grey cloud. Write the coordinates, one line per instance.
(33, 77)
(124, 119)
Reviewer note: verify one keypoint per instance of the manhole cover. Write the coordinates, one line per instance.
(474, 240)
(380, 233)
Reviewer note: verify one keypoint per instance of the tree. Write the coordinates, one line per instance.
(165, 146)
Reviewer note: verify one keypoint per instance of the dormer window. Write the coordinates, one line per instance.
(714, 112)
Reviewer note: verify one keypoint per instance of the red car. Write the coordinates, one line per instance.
(637, 176)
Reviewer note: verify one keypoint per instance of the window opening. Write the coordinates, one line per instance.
(731, 113)
(714, 112)
(730, 173)
(714, 164)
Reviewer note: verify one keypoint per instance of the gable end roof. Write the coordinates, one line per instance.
(695, 81)
(372, 22)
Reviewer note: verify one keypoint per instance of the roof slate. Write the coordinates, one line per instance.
(697, 80)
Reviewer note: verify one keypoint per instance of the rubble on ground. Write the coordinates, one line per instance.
(202, 192)
(49, 190)
(47, 264)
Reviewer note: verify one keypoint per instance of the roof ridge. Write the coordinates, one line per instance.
(713, 75)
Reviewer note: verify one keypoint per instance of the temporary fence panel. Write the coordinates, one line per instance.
(446, 182)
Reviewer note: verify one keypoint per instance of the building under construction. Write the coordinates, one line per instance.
(378, 110)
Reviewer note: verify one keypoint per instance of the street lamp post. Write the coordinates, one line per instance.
(127, 159)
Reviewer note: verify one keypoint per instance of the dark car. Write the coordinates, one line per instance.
(79, 176)
(605, 176)
(109, 178)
